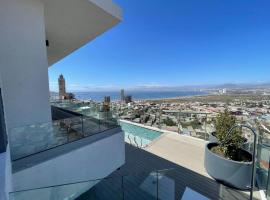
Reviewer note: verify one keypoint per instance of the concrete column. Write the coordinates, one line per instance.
(23, 62)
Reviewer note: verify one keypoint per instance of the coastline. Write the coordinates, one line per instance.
(140, 96)
(174, 98)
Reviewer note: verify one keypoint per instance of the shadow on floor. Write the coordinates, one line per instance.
(137, 170)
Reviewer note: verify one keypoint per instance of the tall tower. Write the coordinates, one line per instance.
(62, 86)
(122, 95)
(106, 103)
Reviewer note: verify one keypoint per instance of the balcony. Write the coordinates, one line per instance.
(156, 172)
(159, 163)
(61, 147)
(32, 139)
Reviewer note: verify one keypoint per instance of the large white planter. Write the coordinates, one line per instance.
(232, 173)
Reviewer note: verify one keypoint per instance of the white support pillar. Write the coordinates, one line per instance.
(23, 62)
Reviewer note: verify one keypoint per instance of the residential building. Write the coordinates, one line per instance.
(35, 34)
(122, 95)
(62, 87)
(128, 99)
(74, 149)
(106, 103)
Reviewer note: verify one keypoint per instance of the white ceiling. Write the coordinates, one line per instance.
(70, 24)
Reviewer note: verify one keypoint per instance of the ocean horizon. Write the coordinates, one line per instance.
(136, 95)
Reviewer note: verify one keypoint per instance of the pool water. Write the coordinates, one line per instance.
(139, 136)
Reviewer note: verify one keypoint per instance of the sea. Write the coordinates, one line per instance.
(136, 95)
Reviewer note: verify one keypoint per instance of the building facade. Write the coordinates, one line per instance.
(122, 95)
(34, 36)
(62, 87)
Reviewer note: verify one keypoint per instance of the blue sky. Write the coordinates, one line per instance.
(174, 43)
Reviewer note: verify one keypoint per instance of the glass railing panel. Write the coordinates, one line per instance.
(196, 125)
(143, 185)
(31, 139)
(263, 159)
(168, 121)
(192, 124)
(61, 192)
(263, 156)
(89, 109)
(150, 185)
(105, 189)
(166, 184)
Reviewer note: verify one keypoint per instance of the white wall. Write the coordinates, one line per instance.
(109, 6)
(2, 176)
(69, 192)
(5, 174)
(0, 79)
(23, 62)
(94, 161)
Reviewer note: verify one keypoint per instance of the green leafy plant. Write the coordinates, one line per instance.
(169, 122)
(228, 143)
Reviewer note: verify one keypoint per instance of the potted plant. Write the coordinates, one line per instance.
(225, 160)
(213, 137)
(224, 124)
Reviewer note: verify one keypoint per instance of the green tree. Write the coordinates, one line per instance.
(228, 143)
(169, 122)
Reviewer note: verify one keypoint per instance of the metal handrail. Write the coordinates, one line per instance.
(129, 139)
(66, 124)
(135, 141)
(253, 154)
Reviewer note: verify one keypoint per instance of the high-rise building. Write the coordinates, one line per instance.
(122, 95)
(62, 87)
(128, 99)
(106, 103)
(107, 99)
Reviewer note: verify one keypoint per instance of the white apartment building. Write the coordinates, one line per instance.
(35, 34)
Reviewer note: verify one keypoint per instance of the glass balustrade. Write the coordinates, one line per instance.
(35, 138)
(263, 159)
(158, 184)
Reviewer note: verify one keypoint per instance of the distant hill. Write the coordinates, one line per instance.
(206, 87)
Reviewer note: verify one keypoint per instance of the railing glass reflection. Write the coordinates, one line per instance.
(35, 138)
(145, 185)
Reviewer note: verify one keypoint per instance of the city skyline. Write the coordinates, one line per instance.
(171, 45)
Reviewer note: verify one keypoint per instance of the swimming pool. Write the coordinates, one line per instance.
(137, 135)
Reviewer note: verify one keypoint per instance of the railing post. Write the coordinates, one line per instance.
(253, 155)
(253, 164)
(205, 123)
(178, 122)
(159, 120)
(157, 184)
(268, 180)
(122, 187)
(98, 121)
(82, 126)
